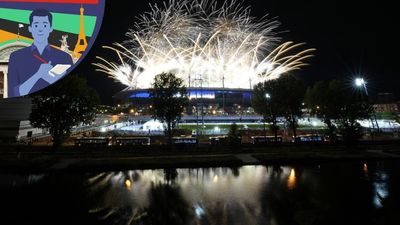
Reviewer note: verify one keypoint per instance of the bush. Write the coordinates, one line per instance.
(351, 133)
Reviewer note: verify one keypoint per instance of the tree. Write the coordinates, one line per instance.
(169, 98)
(325, 101)
(265, 101)
(68, 103)
(354, 107)
(290, 93)
(234, 135)
(336, 103)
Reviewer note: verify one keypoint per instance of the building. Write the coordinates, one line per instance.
(14, 119)
(2, 85)
(5, 52)
(210, 101)
(386, 103)
(14, 112)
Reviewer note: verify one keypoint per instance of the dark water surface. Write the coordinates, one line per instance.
(326, 193)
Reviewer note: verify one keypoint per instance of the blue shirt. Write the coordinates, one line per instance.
(23, 64)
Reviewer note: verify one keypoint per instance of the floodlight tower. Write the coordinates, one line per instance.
(361, 83)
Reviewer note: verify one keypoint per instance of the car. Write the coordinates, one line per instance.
(130, 141)
(309, 138)
(185, 140)
(265, 139)
(93, 142)
(218, 140)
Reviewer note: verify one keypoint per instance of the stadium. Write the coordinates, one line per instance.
(219, 51)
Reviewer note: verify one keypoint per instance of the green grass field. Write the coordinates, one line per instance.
(250, 126)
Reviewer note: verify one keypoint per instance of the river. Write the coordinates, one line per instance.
(325, 193)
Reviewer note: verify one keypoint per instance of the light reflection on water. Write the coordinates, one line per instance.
(292, 179)
(380, 184)
(327, 193)
(365, 168)
(205, 191)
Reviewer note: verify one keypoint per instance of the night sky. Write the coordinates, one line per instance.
(350, 39)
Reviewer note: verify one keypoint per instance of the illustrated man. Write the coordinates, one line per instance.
(28, 69)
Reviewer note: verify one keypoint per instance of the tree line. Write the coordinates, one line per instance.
(71, 103)
(336, 103)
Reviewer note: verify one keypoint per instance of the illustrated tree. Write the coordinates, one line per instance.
(290, 93)
(58, 108)
(265, 102)
(169, 99)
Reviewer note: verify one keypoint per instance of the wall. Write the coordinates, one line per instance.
(14, 118)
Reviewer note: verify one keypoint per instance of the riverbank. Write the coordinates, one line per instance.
(43, 159)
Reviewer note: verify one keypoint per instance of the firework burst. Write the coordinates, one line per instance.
(221, 46)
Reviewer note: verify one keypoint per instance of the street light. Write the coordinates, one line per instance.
(360, 82)
(197, 105)
(268, 97)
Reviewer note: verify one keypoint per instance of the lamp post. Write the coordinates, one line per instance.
(223, 95)
(268, 98)
(361, 83)
(197, 106)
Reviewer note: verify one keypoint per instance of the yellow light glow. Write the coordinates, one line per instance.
(128, 183)
(365, 168)
(215, 179)
(114, 118)
(291, 180)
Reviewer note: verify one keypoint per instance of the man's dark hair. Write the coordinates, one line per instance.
(41, 13)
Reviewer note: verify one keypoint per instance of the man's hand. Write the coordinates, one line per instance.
(42, 73)
(44, 70)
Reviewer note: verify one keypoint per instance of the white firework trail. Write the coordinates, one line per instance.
(198, 40)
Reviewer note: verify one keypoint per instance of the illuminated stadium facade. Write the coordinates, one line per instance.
(211, 99)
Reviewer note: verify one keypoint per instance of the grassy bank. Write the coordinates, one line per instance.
(24, 159)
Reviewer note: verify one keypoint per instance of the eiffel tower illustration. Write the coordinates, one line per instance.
(81, 44)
